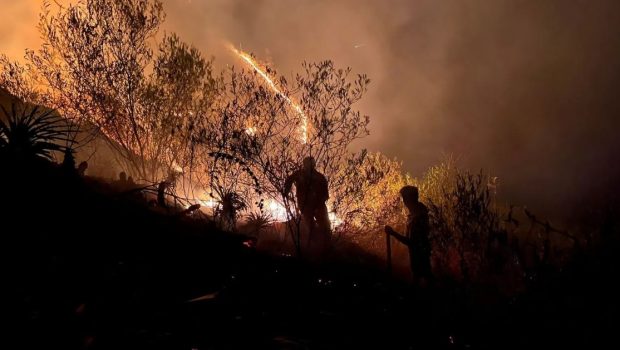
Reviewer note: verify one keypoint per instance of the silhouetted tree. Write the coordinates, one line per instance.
(95, 67)
(267, 133)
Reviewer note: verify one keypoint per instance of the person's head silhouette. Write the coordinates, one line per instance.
(410, 195)
(309, 163)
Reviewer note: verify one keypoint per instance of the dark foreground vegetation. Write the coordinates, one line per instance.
(86, 268)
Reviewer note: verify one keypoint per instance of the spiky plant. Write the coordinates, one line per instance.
(32, 133)
(259, 221)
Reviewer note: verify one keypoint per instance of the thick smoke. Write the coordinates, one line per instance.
(524, 89)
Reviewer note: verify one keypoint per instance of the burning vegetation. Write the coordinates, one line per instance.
(199, 149)
(227, 141)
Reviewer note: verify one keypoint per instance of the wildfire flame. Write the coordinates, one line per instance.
(277, 211)
(176, 167)
(211, 203)
(258, 69)
(334, 219)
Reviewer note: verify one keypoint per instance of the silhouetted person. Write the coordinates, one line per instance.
(68, 162)
(82, 168)
(312, 193)
(417, 235)
(122, 178)
(163, 187)
(161, 193)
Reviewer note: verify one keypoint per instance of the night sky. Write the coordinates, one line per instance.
(527, 90)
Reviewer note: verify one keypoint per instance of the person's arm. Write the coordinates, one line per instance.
(288, 184)
(324, 188)
(401, 238)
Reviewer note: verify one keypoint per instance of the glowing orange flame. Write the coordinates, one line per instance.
(258, 69)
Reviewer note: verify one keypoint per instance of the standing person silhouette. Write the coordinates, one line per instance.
(312, 193)
(417, 235)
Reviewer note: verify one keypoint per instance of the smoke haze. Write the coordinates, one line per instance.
(526, 90)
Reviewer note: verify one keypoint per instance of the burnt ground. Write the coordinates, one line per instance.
(87, 269)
